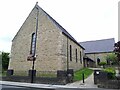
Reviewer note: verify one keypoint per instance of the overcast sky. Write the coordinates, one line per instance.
(85, 20)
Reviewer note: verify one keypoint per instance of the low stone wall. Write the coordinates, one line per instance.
(102, 80)
(17, 79)
(99, 76)
(40, 80)
(110, 84)
(63, 77)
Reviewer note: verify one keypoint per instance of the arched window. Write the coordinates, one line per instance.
(98, 61)
(32, 51)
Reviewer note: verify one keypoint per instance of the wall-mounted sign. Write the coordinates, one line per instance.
(30, 58)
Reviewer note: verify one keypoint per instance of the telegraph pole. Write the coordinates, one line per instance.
(34, 57)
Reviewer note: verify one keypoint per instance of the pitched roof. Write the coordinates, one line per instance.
(98, 46)
(56, 23)
(60, 27)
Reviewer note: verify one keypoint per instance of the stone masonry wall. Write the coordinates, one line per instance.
(101, 56)
(51, 47)
(72, 64)
(21, 46)
(48, 44)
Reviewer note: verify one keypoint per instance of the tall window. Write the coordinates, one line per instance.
(70, 53)
(80, 57)
(98, 61)
(32, 51)
(76, 54)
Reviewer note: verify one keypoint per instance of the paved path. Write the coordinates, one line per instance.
(89, 82)
(117, 72)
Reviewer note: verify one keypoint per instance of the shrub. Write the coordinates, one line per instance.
(5, 60)
(102, 64)
(111, 72)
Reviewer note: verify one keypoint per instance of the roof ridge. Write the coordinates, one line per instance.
(53, 20)
(103, 45)
(97, 40)
(60, 27)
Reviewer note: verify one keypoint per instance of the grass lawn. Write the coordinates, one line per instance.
(78, 74)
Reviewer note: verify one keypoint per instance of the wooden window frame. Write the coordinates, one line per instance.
(80, 57)
(76, 55)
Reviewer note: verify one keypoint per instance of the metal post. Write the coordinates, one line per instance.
(32, 75)
(83, 77)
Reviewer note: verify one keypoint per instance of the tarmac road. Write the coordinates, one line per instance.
(8, 87)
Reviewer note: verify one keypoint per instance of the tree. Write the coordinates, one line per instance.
(112, 57)
(5, 60)
(117, 52)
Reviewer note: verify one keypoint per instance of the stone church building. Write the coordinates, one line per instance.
(46, 44)
(98, 50)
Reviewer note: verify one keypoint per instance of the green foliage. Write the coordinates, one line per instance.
(117, 50)
(5, 60)
(112, 57)
(102, 63)
(78, 74)
(111, 72)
